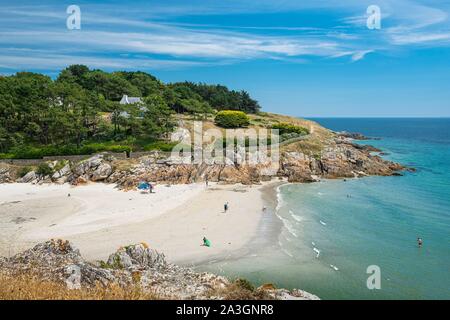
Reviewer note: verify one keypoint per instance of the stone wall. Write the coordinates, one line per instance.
(74, 158)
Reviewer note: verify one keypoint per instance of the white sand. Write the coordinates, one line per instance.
(98, 219)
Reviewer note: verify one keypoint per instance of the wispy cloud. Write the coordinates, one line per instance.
(421, 38)
(152, 41)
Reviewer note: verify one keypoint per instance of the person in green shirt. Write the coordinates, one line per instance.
(206, 242)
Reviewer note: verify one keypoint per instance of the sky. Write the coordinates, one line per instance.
(309, 58)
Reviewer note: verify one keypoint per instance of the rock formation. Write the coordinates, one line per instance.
(59, 261)
(339, 157)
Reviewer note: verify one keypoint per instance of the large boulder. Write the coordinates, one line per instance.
(88, 165)
(29, 177)
(64, 171)
(102, 172)
(137, 256)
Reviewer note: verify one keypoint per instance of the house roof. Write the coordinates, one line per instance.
(129, 100)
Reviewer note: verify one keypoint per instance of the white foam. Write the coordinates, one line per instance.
(287, 253)
(316, 251)
(322, 223)
(334, 267)
(290, 228)
(280, 201)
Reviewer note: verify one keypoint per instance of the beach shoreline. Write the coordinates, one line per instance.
(266, 234)
(98, 218)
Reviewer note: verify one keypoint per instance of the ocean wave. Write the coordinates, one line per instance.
(287, 252)
(290, 227)
(280, 201)
(317, 251)
(334, 267)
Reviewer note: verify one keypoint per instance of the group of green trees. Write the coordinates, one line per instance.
(81, 108)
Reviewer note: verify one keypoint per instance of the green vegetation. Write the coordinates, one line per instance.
(286, 128)
(231, 119)
(80, 113)
(31, 152)
(244, 284)
(160, 145)
(217, 96)
(44, 169)
(116, 264)
(23, 171)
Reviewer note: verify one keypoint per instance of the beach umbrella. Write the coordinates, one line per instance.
(143, 186)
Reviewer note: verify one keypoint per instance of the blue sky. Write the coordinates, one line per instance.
(305, 58)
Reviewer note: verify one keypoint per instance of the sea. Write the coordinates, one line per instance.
(357, 238)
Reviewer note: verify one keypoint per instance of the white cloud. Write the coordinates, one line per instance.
(172, 44)
(48, 61)
(360, 55)
(420, 38)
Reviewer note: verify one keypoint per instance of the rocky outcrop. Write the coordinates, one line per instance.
(96, 168)
(338, 158)
(59, 261)
(5, 174)
(352, 135)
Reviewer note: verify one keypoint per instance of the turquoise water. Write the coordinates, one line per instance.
(362, 222)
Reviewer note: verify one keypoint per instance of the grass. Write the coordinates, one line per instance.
(24, 170)
(29, 287)
(240, 289)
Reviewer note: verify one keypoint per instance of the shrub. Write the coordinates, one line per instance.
(231, 119)
(286, 128)
(6, 156)
(160, 145)
(30, 152)
(44, 169)
(244, 284)
(23, 171)
(59, 165)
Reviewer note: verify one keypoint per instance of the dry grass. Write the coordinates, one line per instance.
(240, 289)
(29, 287)
(124, 165)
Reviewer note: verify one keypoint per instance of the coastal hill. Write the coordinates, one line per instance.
(85, 112)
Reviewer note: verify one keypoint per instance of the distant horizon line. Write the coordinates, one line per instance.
(375, 117)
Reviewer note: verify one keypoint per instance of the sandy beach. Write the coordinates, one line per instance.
(98, 218)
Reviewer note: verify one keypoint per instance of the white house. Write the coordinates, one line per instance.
(130, 100)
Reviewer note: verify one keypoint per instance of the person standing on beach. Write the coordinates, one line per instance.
(206, 181)
(225, 207)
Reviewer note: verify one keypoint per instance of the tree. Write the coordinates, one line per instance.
(157, 121)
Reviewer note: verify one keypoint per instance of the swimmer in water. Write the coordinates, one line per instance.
(419, 242)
